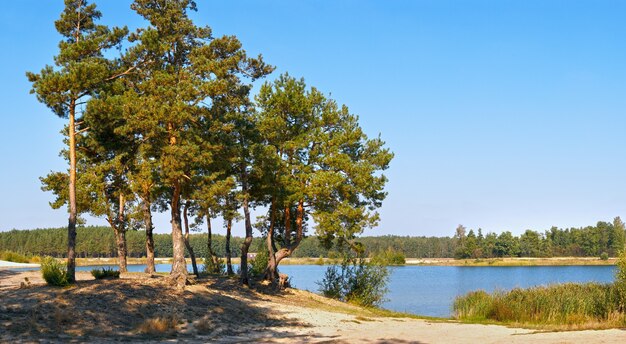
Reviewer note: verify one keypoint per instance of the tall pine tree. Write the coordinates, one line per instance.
(80, 70)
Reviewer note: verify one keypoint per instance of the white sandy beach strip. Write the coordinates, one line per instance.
(5, 265)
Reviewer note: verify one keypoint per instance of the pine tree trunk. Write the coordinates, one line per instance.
(245, 246)
(288, 251)
(120, 238)
(187, 244)
(179, 266)
(272, 270)
(71, 227)
(229, 266)
(120, 234)
(147, 220)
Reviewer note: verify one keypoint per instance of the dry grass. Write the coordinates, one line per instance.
(159, 326)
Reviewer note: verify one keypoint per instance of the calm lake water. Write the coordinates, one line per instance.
(430, 290)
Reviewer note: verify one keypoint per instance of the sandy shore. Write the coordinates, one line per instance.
(218, 310)
(12, 265)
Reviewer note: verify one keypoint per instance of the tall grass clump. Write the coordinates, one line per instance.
(105, 273)
(620, 280)
(559, 304)
(54, 272)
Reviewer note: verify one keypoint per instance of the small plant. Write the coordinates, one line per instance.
(604, 256)
(105, 273)
(259, 263)
(159, 326)
(357, 282)
(54, 272)
(213, 265)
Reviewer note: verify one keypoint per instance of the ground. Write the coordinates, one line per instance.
(140, 308)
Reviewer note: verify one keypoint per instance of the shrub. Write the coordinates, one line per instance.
(604, 256)
(388, 257)
(213, 265)
(54, 272)
(356, 282)
(259, 263)
(105, 273)
(332, 285)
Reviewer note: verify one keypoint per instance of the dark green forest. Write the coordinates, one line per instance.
(589, 241)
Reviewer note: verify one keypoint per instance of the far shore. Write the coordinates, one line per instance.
(525, 261)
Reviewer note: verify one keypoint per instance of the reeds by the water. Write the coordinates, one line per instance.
(589, 305)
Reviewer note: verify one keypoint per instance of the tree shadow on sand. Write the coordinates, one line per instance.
(136, 309)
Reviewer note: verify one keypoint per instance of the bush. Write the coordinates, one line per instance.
(54, 272)
(332, 285)
(361, 283)
(388, 257)
(105, 273)
(259, 263)
(213, 265)
(604, 256)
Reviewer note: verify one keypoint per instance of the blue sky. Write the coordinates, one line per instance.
(505, 115)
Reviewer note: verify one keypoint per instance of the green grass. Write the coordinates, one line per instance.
(105, 273)
(571, 306)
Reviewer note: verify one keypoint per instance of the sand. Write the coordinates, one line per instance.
(219, 310)
(6, 265)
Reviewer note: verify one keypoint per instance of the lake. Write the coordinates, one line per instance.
(430, 290)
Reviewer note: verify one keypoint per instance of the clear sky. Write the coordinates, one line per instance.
(505, 115)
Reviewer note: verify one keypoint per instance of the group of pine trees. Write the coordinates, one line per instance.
(171, 125)
(604, 238)
(588, 241)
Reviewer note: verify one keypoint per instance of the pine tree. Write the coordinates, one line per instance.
(183, 72)
(320, 164)
(79, 72)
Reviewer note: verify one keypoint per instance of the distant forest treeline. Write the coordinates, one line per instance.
(590, 241)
